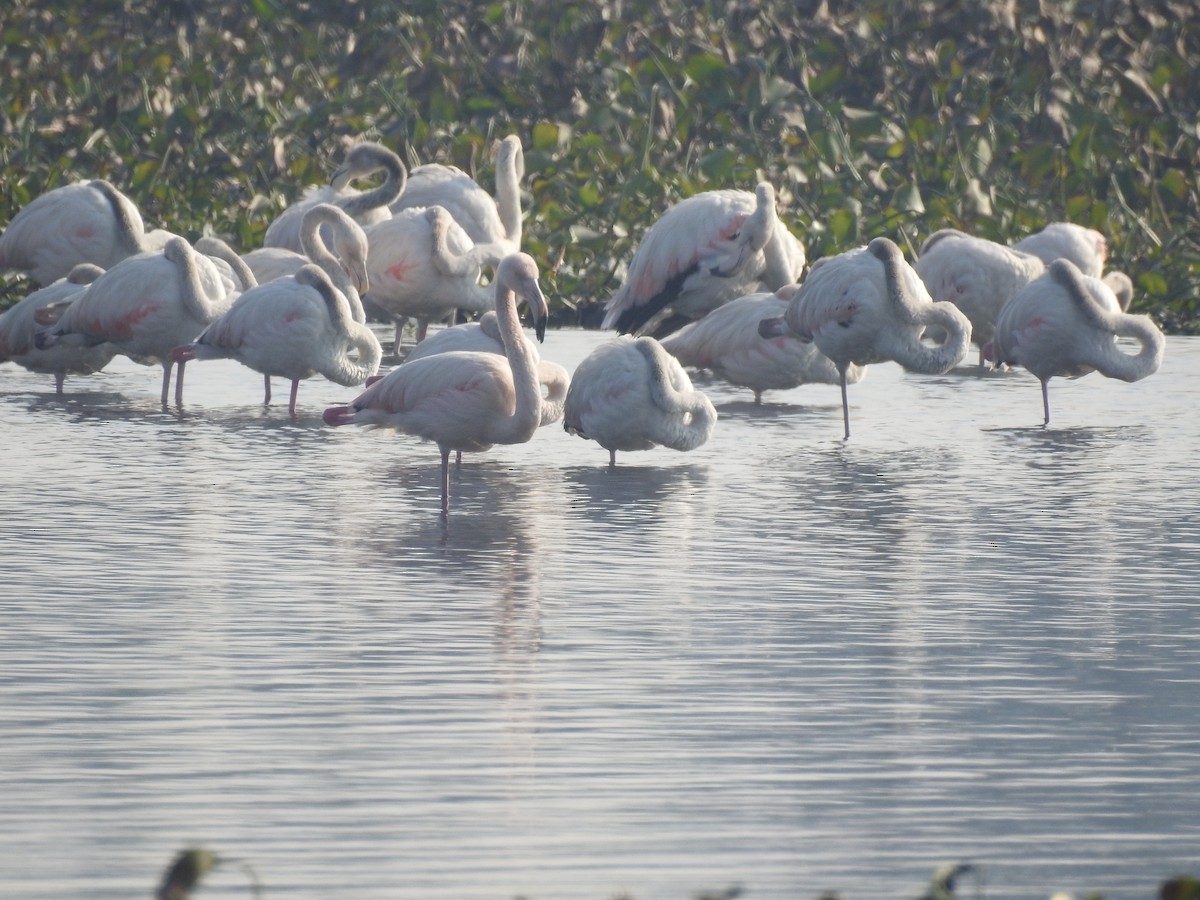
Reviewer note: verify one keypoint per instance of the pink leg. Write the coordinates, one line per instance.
(179, 384)
(845, 407)
(292, 398)
(266, 390)
(445, 479)
(1046, 402)
(166, 390)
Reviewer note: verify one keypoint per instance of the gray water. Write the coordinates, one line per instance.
(781, 661)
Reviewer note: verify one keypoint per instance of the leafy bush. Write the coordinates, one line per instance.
(892, 117)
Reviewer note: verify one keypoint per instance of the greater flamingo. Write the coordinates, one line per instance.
(492, 222)
(1066, 324)
(976, 275)
(422, 265)
(366, 207)
(631, 394)
(146, 305)
(293, 327)
(85, 222)
(466, 401)
(704, 251)
(727, 343)
(484, 337)
(19, 323)
(1085, 247)
(346, 265)
(868, 305)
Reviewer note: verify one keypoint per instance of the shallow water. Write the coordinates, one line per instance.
(782, 660)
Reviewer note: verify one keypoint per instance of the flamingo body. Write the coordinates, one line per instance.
(293, 327)
(19, 324)
(727, 342)
(1066, 324)
(630, 394)
(704, 251)
(976, 275)
(868, 306)
(146, 305)
(487, 220)
(465, 401)
(1085, 247)
(85, 222)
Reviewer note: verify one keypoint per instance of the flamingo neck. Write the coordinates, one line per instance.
(386, 193)
(316, 249)
(691, 415)
(527, 413)
(131, 230)
(508, 193)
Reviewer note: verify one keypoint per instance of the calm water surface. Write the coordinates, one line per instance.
(781, 660)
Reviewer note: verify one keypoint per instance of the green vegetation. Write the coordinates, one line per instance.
(893, 117)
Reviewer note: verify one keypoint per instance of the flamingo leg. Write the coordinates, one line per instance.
(612, 459)
(179, 385)
(292, 398)
(266, 390)
(166, 385)
(445, 478)
(1046, 402)
(59, 378)
(845, 407)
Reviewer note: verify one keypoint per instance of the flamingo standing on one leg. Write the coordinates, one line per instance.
(632, 394)
(293, 327)
(146, 305)
(704, 251)
(466, 401)
(867, 306)
(1066, 323)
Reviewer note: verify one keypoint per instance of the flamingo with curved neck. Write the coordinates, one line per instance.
(466, 401)
(366, 207)
(293, 327)
(146, 305)
(631, 394)
(867, 306)
(1066, 324)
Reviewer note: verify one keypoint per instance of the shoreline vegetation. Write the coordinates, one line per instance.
(874, 118)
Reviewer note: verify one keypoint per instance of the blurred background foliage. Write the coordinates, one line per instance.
(893, 117)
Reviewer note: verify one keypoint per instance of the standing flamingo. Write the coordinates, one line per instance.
(632, 394)
(422, 265)
(484, 337)
(19, 323)
(146, 305)
(867, 306)
(293, 327)
(486, 220)
(85, 222)
(366, 207)
(704, 251)
(466, 401)
(1066, 323)
(346, 266)
(976, 275)
(727, 342)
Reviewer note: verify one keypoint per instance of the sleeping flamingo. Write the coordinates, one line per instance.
(18, 324)
(1085, 247)
(422, 265)
(466, 401)
(85, 222)
(631, 394)
(727, 342)
(486, 220)
(1066, 323)
(146, 305)
(293, 327)
(484, 337)
(976, 275)
(867, 306)
(704, 251)
(346, 266)
(366, 207)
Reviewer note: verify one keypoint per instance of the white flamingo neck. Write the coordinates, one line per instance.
(316, 249)
(523, 363)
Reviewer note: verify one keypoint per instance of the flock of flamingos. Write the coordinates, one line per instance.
(717, 283)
